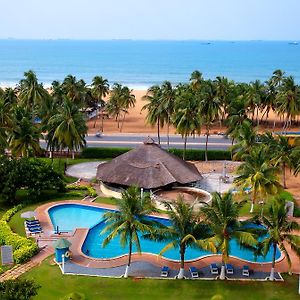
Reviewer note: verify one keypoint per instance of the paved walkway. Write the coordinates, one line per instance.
(18, 270)
(86, 171)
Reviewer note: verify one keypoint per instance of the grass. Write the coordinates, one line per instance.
(105, 200)
(55, 286)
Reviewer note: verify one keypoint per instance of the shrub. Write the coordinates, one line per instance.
(191, 154)
(23, 248)
(91, 191)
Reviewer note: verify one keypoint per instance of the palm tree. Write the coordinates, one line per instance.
(186, 117)
(24, 138)
(10, 96)
(68, 127)
(222, 217)
(196, 80)
(288, 100)
(100, 89)
(5, 123)
(74, 90)
(129, 221)
(154, 108)
(185, 231)
(127, 100)
(32, 92)
(209, 108)
(114, 104)
(281, 231)
(257, 173)
(168, 96)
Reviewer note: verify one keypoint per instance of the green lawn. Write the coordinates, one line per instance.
(105, 200)
(55, 286)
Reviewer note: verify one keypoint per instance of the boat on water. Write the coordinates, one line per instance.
(293, 43)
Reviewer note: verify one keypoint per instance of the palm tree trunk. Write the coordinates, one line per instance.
(283, 175)
(102, 124)
(206, 144)
(273, 263)
(96, 118)
(253, 201)
(222, 273)
(168, 130)
(122, 122)
(184, 148)
(181, 271)
(129, 256)
(158, 131)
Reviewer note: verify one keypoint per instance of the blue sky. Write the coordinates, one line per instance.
(151, 19)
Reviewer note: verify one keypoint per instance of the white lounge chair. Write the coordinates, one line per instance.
(194, 272)
(214, 269)
(164, 271)
(229, 269)
(246, 271)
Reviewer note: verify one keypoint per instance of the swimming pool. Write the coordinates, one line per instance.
(71, 216)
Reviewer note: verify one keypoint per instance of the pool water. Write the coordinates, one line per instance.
(71, 216)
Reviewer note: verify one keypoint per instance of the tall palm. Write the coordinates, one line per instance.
(100, 89)
(74, 89)
(5, 123)
(283, 155)
(129, 221)
(257, 173)
(154, 108)
(186, 117)
(288, 100)
(32, 92)
(127, 100)
(24, 138)
(185, 231)
(210, 107)
(222, 218)
(10, 96)
(114, 104)
(68, 127)
(196, 80)
(281, 231)
(168, 95)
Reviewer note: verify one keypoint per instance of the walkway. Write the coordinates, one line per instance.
(18, 270)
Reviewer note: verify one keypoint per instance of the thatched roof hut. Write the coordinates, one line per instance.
(147, 166)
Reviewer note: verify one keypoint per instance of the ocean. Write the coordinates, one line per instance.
(140, 64)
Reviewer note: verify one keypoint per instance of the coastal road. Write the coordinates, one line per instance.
(215, 142)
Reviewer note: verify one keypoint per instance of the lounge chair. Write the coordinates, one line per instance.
(164, 271)
(33, 225)
(246, 271)
(214, 269)
(35, 230)
(32, 221)
(229, 269)
(194, 272)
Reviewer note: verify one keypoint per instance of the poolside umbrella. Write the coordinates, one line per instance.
(61, 244)
(28, 214)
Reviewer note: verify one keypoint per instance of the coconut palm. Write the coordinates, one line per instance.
(127, 100)
(257, 173)
(100, 89)
(168, 96)
(10, 96)
(185, 231)
(281, 232)
(129, 221)
(154, 108)
(222, 217)
(114, 104)
(5, 122)
(24, 138)
(196, 80)
(210, 107)
(31, 92)
(186, 117)
(68, 127)
(74, 89)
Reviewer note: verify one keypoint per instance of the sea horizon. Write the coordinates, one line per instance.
(142, 63)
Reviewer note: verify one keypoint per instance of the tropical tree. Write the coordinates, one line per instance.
(196, 80)
(25, 136)
(74, 89)
(114, 104)
(281, 232)
(10, 96)
(258, 174)
(127, 100)
(5, 123)
(154, 108)
(67, 128)
(100, 89)
(210, 107)
(222, 217)
(185, 231)
(186, 117)
(31, 92)
(168, 96)
(129, 221)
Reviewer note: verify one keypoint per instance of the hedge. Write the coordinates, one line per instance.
(191, 154)
(23, 248)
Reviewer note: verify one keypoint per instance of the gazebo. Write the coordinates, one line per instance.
(149, 167)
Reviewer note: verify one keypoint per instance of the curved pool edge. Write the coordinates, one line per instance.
(78, 236)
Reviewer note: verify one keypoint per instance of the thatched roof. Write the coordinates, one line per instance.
(147, 166)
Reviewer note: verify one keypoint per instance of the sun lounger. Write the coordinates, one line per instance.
(36, 229)
(214, 269)
(164, 271)
(246, 271)
(194, 272)
(33, 225)
(32, 221)
(229, 269)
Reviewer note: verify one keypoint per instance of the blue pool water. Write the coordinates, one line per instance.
(71, 216)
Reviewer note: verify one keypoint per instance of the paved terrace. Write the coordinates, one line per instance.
(78, 258)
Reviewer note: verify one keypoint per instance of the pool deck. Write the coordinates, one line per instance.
(83, 261)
